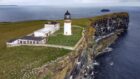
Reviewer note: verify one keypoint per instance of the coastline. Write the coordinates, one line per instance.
(64, 65)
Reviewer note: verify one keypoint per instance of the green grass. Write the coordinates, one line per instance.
(16, 61)
(18, 29)
(59, 39)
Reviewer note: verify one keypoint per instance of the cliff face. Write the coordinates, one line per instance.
(101, 33)
(104, 30)
(61, 67)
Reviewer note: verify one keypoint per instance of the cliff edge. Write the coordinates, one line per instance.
(101, 32)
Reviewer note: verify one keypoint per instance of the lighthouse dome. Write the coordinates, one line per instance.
(67, 15)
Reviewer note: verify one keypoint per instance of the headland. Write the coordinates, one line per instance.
(29, 62)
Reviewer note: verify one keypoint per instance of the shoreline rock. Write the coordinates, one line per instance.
(63, 66)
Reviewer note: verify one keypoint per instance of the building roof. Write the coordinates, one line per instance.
(12, 40)
(32, 38)
(52, 22)
(27, 38)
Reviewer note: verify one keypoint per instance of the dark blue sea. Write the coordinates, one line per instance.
(24, 13)
(121, 63)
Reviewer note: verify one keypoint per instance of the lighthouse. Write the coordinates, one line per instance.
(67, 24)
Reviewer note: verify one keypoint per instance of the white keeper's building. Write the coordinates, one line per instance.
(48, 29)
(40, 36)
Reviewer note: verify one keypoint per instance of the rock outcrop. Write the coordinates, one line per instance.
(101, 33)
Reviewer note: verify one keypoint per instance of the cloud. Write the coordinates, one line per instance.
(97, 1)
(23, 2)
(69, 2)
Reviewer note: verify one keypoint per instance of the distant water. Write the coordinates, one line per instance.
(122, 63)
(24, 13)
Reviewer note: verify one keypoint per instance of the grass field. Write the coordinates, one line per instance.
(16, 61)
(59, 39)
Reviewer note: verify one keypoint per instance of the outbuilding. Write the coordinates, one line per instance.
(26, 40)
(48, 29)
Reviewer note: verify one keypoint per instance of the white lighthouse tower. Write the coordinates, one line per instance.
(67, 24)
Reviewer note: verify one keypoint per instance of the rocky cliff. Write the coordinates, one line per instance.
(100, 33)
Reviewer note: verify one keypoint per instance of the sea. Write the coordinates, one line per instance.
(123, 62)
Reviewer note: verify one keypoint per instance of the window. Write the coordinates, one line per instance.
(27, 41)
(24, 42)
(37, 42)
(33, 42)
(20, 42)
(30, 42)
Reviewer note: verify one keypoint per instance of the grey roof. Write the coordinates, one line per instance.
(32, 38)
(12, 40)
(27, 38)
(52, 22)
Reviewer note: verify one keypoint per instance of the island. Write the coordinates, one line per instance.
(105, 10)
(66, 51)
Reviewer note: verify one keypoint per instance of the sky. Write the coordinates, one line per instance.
(72, 2)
